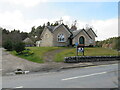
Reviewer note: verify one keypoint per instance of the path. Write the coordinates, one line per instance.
(49, 56)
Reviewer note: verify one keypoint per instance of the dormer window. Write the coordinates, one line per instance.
(61, 38)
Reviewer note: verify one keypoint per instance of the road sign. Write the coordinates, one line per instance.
(76, 44)
(80, 49)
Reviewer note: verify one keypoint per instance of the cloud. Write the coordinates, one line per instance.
(13, 20)
(40, 21)
(106, 28)
(16, 20)
(26, 3)
(103, 28)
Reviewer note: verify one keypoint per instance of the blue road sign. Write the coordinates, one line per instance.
(76, 43)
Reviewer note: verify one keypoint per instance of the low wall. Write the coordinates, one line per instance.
(75, 59)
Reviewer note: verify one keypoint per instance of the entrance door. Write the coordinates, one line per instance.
(81, 40)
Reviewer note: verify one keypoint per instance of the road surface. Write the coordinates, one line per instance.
(104, 76)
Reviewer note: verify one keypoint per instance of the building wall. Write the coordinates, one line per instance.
(61, 30)
(51, 38)
(93, 37)
(76, 39)
(47, 38)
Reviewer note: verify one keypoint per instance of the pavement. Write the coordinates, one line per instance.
(103, 76)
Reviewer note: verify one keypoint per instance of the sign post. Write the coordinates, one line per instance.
(76, 44)
(83, 50)
(80, 48)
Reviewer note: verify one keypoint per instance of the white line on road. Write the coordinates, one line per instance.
(83, 76)
(19, 87)
(100, 65)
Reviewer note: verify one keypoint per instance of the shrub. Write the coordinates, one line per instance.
(27, 52)
(8, 45)
(116, 44)
(19, 47)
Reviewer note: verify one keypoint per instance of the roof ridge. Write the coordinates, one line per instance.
(92, 31)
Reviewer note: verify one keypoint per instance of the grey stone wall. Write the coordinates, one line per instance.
(61, 30)
(93, 37)
(76, 39)
(47, 38)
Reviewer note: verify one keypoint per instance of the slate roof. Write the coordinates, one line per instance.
(52, 28)
(28, 40)
(76, 32)
(73, 33)
(91, 30)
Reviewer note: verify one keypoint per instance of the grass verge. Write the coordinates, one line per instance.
(59, 57)
(38, 53)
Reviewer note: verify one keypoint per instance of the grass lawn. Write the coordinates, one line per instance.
(38, 53)
(88, 52)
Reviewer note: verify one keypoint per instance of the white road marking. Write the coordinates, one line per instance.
(108, 65)
(19, 87)
(100, 65)
(83, 76)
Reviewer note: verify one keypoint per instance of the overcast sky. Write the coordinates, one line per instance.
(23, 14)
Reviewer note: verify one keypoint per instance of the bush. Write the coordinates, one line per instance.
(8, 45)
(27, 52)
(113, 43)
(116, 44)
(19, 47)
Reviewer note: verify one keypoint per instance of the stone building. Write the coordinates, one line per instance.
(28, 42)
(62, 36)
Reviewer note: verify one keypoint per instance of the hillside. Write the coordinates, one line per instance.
(112, 43)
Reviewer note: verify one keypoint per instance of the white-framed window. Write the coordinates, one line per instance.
(61, 38)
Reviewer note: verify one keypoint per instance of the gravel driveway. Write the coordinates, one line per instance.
(10, 63)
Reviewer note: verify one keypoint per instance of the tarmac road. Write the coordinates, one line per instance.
(103, 76)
